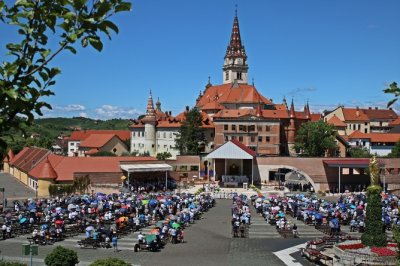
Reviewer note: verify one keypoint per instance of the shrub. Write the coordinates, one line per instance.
(110, 262)
(61, 256)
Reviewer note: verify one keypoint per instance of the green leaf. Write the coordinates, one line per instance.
(391, 102)
(45, 53)
(111, 25)
(96, 43)
(84, 42)
(71, 49)
(124, 6)
(11, 93)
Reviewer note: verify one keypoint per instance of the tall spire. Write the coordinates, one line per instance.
(235, 47)
(150, 112)
(292, 112)
(158, 104)
(235, 60)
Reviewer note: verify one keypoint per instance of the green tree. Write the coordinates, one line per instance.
(163, 155)
(25, 78)
(395, 153)
(395, 90)
(315, 138)
(359, 152)
(61, 256)
(190, 133)
(109, 262)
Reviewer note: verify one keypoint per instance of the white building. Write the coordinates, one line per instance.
(380, 144)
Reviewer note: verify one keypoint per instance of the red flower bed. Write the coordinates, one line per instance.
(383, 251)
(351, 246)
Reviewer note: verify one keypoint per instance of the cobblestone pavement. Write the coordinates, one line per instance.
(208, 242)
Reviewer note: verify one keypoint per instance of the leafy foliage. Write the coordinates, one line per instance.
(190, 134)
(395, 153)
(315, 138)
(358, 152)
(163, 155)
(27, 76)
(395, 90)
(109, 262)
(374, 236)
(61, 256)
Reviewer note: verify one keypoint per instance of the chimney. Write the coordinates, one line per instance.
(369, 108)
(390, 108)
(187, 108)
(357, 111)
(376, 108)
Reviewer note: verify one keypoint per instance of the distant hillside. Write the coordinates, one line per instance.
(46, 130)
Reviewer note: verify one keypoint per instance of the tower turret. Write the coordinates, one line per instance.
(291, 130)
(150, 127)
(235, 60)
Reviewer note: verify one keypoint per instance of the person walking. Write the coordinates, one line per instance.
(114, 241)
(294, 230)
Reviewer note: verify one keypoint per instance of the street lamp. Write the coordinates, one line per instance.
(37, 187)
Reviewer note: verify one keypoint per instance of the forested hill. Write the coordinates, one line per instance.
(44, 131)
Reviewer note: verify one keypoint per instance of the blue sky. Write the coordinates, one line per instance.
(329, 52)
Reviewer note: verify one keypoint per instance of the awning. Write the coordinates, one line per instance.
(351, 163)
(146, 167)
(232, 150)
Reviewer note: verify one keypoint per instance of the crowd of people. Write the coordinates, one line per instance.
(102, 217)
(241, 216)
(349, 209)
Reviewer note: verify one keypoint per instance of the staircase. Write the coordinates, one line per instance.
(259, 228)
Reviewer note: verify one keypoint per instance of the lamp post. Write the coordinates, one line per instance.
(37, 187)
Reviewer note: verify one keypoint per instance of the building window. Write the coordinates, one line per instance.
(165, 146)
(239, 75)
(267, 128)
(226, 138)
(259, 128)
(165, 135)
(72, 143)
(241, 128)
(241, 138)
(226, 75)
(212, 135)
(252, 128)
(365, 130)
(170, 135)
(359, 126)
(366, 124)
(267, 139)
(170, 146)
(363, 143)
(152, 145)
(252, 139)
(225, 127)
(233, 127)
(259, 138)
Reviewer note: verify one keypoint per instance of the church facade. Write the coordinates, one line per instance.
(233, 110)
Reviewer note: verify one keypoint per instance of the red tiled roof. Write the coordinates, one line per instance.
(354, 114)
(28, 158)
(380, 114)
(395, 122)
(80, 135)
(376, 137)
(212, 106)
(336, 122)
(315, 117)
(97, 140)
(244, 147)
(228, 93)
(66, 167)
(44, 170)
(280, 106)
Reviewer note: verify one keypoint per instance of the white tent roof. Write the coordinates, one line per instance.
(148, 167)
(229, 150)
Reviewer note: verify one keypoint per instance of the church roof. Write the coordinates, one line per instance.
(235, 47)
(336, 122)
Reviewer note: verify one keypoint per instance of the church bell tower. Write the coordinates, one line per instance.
(235, 60)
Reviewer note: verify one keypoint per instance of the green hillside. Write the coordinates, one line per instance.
(48, 129)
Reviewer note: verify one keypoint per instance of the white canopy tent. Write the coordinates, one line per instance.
(148, 167)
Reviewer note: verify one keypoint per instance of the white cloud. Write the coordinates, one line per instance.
(70, 107)
(109, 111)
(83, 114)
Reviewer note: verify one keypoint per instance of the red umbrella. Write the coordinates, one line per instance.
(59, 222)
(360, 207)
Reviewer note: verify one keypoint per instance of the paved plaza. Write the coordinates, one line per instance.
(208, 241)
